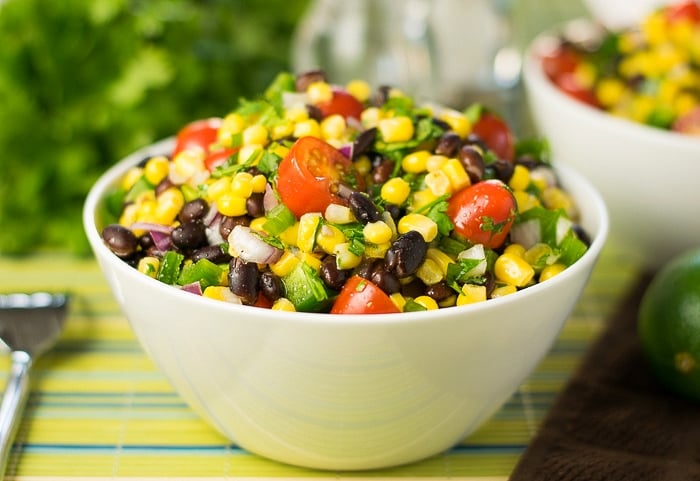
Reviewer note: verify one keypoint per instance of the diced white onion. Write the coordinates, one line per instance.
(527, 233)
(251, 248)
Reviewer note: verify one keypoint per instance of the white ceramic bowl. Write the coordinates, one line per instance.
(649, 177)
(345, 392)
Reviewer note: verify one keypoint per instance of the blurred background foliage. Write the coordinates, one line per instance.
(85, 82)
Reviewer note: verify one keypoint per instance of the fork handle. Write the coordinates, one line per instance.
(13, 402)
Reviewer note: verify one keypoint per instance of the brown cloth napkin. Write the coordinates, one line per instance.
(613, 421)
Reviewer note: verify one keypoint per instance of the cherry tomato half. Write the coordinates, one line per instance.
(198, 134)
(308, 176)
(496, 135)
(218, 157)
(689, 10)
(483, 213)
(342, 103)
(558, 61)
(360, 296)
(688, 123)
(569, 84)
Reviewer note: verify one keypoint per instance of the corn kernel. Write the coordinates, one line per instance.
(520, 178)
(363, 165)
(156, 169)
(306, 236)
(398, 299)
(440, 259)
(556, 198)
(250, 153)
(242, 184)
(515, 249)
(420, 223)
(131, 177)
(551, 271)
(345, 259)
(359, 89)
(187, 163)
(505, 290)
(319, 92)
(610, 92)
(218, 188)
(458, 122)
(258, 183)
(435, 162)
(258, 224)
(395, 191)
(149, 266)
(232, 124)
(290, 234)
(422, 198)
(129, 215)
(377, 232)
(438, 183)
(168, 205)
(416, 162)
(396, 129)
(147, 211)
(429, 272)
(525, 200)
(370, 117)
(255, 134)
(296, 114)
(513, 269)
(311, 260)
(427, 302)
(457, 175)
(333, 127)
(231, 205)
(279, 150)
(281, 130)
(328, 237)
(307, 128)
(286, 263)
(338, 214)
(376, 251)
(470, 294)
(283, 304)
(221, 293)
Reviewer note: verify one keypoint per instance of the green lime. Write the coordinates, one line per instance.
(669, 324)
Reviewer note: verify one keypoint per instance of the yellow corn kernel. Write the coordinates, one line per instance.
(427, 302)
(376, 251)
(231, 205)
(515, 249)
(458, 122)
(525, 200)
(156, 169)
(585, 74)
(551, 271)
(396, 129)
(286, 263)
(470, 294)
(448, 301)
(307, 128)
(456, 173)
(505, 290)
(416, 162)
(398, 299)
(257, 224)
(359, 89)
(441, 259)
(232, 124)
(420, 223)
(338, 214)
(218, 188)
(129, 215)
(319, 92)
(311, 260)
(429, 272)
(435, 162)
(168, 205)
(377, 232)
(363, 165)
(221, 293)
(328, 237)
(333, 127)
(610, 92)
(438, 183)
(306, 235)
(149, 266)
(187, 163)
(538, 255)
(290, 234)
(370, 117)
(296, 114)
(513, 269)
(556, 198)
(258, 183)
(242, 184)
(279, 150)
(345, 259)
(395, 191)
(422, 198)
(281, 130)
(250, 153)
(283, 304)
(131, 177)
(255, 134)
(147, 211)
(520, 178)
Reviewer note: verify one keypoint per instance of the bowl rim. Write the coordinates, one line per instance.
(101, 251)
(534, 77)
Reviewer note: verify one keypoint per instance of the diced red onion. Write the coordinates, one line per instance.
(211, 215)
(270, 200)
(527, 233)
(194, 288)
(347, 150)
(251, 248)
(152, 227)
(161, 240)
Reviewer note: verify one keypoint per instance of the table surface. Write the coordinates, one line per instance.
(100, 409)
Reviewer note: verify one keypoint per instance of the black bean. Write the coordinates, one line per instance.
(193, 210)
(382, 171)
(363, 208)
(473, 162)
(394, 211)
(582, 234)
(366, 268)
(406, 254)
(163, 185)
(314, 112)
(502, 169)
(228, 223)
(439, 291)
(146, 241)
(448, 144)
(413, 289)
(271, 286)
(120, 240)
(254, 205)
(216, 254)
(304, 79)
(332, 276)
(189, 236)
(381, 95)
(243, 278)
(387, 281)
(363, 142)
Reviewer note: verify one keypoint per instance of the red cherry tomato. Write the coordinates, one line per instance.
(688, 123)
(568, 84)
(198, 134)
(342, 103)
(558, 61)
(218, 157)
(360, 296)
(309, 175)
(483, 213)
(684, 11)
(496, 135)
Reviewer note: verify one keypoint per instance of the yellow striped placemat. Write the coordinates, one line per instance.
(99, 409)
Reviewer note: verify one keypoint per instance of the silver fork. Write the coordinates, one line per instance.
(30, 325)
